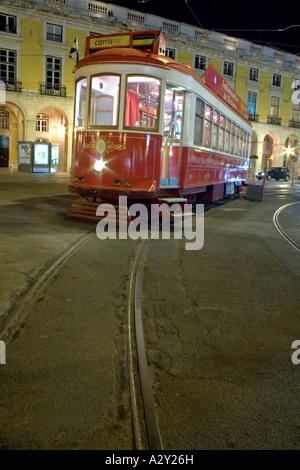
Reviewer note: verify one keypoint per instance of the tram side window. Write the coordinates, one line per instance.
(215, 129)
(244, 145)
(227, 135)
(80, 102)
(208, 125)
(237, 138)
(222, 133)
(232, 142)
(142, 101)
(104, 100)
(173, 113)
(241, 143)
(247, 145)
(199, 120)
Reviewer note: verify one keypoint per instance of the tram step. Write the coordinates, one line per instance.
(171, 200)
(87, 210)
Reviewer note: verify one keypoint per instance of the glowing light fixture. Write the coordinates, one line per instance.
(289, 151)
(99, 165)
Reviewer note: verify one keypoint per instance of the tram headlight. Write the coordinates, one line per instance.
(99, 165)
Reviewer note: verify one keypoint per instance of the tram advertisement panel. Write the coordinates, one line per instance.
(215, 81)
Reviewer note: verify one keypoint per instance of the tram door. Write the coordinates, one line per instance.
(172, 141)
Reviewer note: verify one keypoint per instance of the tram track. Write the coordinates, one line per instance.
(20, 312)
(146, 433)
(279, 227)
(154, 441)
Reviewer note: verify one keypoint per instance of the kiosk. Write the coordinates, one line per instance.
(41, 157)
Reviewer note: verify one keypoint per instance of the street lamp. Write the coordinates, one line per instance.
(290, 152)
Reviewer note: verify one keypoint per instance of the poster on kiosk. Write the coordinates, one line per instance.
(25, 156)
(41, 157)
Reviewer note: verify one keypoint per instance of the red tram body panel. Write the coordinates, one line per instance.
(147, 126)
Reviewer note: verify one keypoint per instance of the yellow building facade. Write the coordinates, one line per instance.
(37, 79)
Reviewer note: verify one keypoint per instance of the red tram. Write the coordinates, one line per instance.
(147, 127)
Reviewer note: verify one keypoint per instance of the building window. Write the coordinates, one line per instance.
(274, 109)
(8, 24)
(54, 33)
(276, 80)
(253, 75)
(170, 53)
(8, 66)
(53, 73)
(200, 62)
(228, 68)
(252, 97)
(4, 119)
(42, 121)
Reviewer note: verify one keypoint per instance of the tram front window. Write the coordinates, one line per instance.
(104, 100)
(80, 102)
(142, 100)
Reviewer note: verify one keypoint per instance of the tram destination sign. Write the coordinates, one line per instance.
(103, 42)
(137, 39)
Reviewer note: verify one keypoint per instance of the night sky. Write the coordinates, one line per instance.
(228, 16)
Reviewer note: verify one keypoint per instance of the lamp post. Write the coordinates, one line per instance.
(290, 152)
(265, 162)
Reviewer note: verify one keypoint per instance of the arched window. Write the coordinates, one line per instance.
(4, 119)
(42, 123)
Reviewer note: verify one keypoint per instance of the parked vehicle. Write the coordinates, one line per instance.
(277, 173)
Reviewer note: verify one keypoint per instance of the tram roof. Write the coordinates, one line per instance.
(131, 55)
(122, 54)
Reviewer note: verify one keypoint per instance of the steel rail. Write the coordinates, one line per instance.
(137, 341)
(20, 312)
(151, 421)
(280, 229)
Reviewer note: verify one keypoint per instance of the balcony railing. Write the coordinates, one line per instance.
(294, 123)
(46, 89)
(13, 86)
(253, 117)
(274, 120)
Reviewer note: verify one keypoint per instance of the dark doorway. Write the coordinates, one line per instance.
(4, 151)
